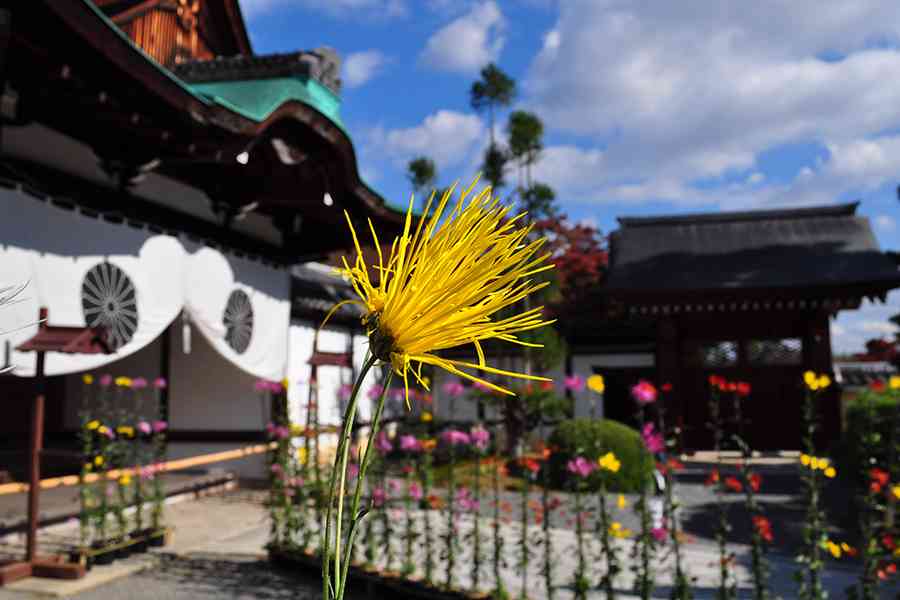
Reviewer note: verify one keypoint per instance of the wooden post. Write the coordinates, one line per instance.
(34, 473)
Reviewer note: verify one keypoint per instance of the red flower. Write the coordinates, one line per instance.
(755, 481)
(743, 389)
(877, 386)
(531, 464)
(888, 542)
(546, 386)
(712, 478)
(733, 484)
(715, 380)
(763, 528)
(666, 387)
(879, 478)
(675, 464)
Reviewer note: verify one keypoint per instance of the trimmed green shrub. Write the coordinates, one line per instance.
(592, 439)
(885, 406)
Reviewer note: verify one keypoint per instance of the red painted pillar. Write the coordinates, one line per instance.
(34, 474)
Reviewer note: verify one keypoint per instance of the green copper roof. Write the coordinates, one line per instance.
(256, 99)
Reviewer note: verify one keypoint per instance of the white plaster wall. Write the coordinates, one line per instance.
(208, 392)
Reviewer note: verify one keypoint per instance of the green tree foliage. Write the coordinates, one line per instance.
(494, 166)
(494, 89)
(422, 174)
(526, 132)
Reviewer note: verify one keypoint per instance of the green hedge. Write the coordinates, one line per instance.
(885, 406)
(592, 439)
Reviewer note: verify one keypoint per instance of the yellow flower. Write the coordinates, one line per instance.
(805, 460)
(813, 463)
(810, 379)
(443, 283)
(92, 425)
(297, 429)
(894, 382)
(302, 455)
(426, 417)
(616, 530)
(98, 460)
(88, 379)
(596, 383)
(830, 473)
(125, 430)
(125, 479)
(103, 430)
(823, 463)
(284, 383)
(123, 381)
(609, 462)
(896, 491)
(833, 548)
(823, 382)
(621, 503)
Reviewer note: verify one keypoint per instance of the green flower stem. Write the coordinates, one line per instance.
(332, 589)
(426, 494)
(643, 570)
(681, 587)
(524, 552)
(451, 514)
(608, 550)
(581, 582)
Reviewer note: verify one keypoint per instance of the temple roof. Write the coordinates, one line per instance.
(787, 249)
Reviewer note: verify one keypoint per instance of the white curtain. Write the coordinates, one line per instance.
(86, 271)
(242, 308)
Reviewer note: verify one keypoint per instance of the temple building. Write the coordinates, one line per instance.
(160, 180)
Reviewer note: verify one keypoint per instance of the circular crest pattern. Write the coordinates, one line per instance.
(109, 300)
(238, 321)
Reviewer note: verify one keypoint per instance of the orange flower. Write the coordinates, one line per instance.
(763, 528)
(755, 481)
(879, 478)
(713, 476)
(733, 484)
(435, 501)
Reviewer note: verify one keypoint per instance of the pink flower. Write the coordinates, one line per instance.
(410, 443)
(393, 486)
(352, 470)
(465, 499)
(480, 437)
(375, 391)
(454, 437)
(108, 432)
(138, 383)
(644, 392)
(378, 496)
(160, 383)
(383, 443)
(145, 427)
(580, 466)
(574, 383)
(454, 388)
(345, 391)
(270, 429)
(653, 439)
(659, 534)
(282, 432)
(415, 491)
(159, 426)
(106, 380)
(276, 469)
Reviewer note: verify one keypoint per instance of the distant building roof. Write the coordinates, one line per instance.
(791, 249)
(315, 290)
(862, 373)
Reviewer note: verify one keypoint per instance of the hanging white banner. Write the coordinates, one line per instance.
(85, 271)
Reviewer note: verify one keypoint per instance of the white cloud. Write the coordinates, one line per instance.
(878, 327)
(336, 8)
(448, 137)
(360, 67)
(675, 92)
(469, 42)
(885, 223)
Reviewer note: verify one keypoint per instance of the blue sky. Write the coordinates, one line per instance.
(649, 107)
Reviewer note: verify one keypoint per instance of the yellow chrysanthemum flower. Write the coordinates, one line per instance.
(621, 503)
(824, 463)
(810, 379)
(302, 455)
(609, 462)
(426, 417)
(125, 430)
(92, 425)
(297, 429)
(823, 381)
(833, 548)
(616, 530)
(284, 383)
(443, 283)
(804, 460)
(830, 473)
(123, 381)
(596, 383)
(813, 463)
(87, 379)
(894, 382)
(98, 460)
(125, 479)
(895, 490)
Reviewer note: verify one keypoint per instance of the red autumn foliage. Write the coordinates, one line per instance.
(578, 253)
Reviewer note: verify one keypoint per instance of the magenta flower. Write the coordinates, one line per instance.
(106, 380)
(580, 466)
(480, 437)
(465, 499)
(159, 426)
(644, 392)
(574, 383)
(145, 427)
(659, 534)
(344, 391)
(653, 439)
(454, 388)
(383, 443)
(415, 491)
(454, 437)
(393, 486)
(282, 432)
(375, 391)
(160, 383)
(410, 443)
(138, 383)
(276, 469)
